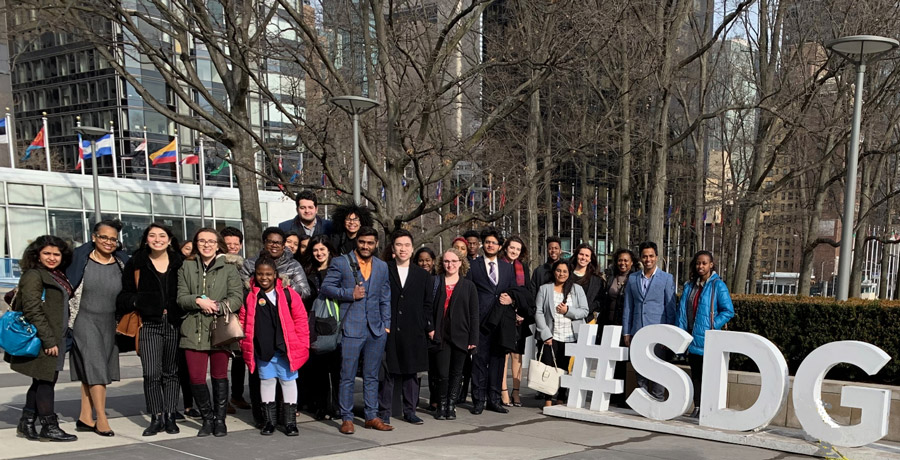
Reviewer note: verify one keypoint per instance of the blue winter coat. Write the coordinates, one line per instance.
(724, 310)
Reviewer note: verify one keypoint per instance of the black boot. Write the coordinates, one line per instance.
(220, 406)
(26, 429)
(290, 419)
(268, 410)
(171, 426)
(156, 425)
(52, 432)
(456, 384)
(202, 404)
(441, 412)
(259, 416)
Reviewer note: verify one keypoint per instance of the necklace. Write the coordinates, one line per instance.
(96, 255)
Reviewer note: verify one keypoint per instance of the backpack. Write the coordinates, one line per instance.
(327, 324)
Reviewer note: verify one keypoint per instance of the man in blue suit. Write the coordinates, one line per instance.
(492, 277)
(649, 299)
(360, 282)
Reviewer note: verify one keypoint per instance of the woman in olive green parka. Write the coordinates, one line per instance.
(43, 298)
(207, 286)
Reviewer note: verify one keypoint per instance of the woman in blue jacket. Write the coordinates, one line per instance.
(705, 296)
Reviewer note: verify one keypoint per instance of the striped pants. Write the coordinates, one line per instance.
(159, 353)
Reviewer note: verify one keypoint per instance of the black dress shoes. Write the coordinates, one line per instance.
(498, 408)
(478, 408)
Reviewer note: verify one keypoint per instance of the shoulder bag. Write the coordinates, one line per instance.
(130, 325)
(542, 377)
(226, 329)
(17, 336)
(327, 324)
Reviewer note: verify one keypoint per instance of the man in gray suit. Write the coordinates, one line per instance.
(649, 299)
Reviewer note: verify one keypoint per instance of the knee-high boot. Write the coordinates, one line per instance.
(202, 404)
(456, 384)
(220, 406)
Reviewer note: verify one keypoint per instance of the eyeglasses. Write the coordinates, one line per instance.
(207, 242)
(274, 243)
(492, 243)
(352, 219)
(106, 239)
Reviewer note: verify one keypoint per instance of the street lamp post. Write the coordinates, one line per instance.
(94, 134)
(858, 49)
(355, 105)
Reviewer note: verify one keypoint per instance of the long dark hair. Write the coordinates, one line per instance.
(567, 286)
(308, 262)
(592, 268)
(174, 248)
(31, 258)
(694, 275)
(430, 252)
(523, 255)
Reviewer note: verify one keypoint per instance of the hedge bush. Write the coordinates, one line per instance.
(798, 325)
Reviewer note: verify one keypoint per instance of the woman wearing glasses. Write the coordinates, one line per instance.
(96, 275)
(207, 286)
(455, 329)
(348, 219)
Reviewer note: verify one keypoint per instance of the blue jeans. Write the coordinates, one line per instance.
(371, 348)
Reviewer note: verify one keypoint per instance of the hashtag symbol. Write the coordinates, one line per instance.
(604, 357)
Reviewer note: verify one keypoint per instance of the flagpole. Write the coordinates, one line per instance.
(112, 138)
(559, 208)
(230, 173)
(9, 139)
(46, 140)
(606, 225)
(146, 154)
(178, 165)
(572, 226)
(605, 249)
(80, 145)
(202, 184)
(669, 234)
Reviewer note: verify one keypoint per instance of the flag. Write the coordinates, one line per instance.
(167, 154)
(294, 176)
(594, 208)
(472, 198)
(83, 147)
(323, 179)
(440, 189)
(142, 147)
(37, 143)
(580, 210)
(572, 205)
(503, 194)
(192, 159)
(221, 167)
(4, 138)
(104, 146)
(280, 164)
(558, 199)
(383, 194)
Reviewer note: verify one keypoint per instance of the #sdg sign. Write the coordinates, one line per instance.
(773, 370)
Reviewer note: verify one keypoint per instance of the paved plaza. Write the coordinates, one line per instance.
(524, 433)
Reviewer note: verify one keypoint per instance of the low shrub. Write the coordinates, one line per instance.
(798, 325)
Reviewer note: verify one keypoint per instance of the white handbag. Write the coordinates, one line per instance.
(542, 377)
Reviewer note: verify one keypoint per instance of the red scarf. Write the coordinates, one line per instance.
(520, 271)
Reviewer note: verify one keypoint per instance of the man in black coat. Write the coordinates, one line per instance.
(307, 221)
(406, 352)
(542, 273)
(492, 277)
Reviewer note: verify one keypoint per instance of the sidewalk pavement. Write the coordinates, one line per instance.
(524, 433)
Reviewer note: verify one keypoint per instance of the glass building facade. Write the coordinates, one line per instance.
(35, 203)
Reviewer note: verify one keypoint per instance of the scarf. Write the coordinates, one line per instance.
(520, 271)
(61, 279)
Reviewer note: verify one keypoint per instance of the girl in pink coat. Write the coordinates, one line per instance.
(276, 341)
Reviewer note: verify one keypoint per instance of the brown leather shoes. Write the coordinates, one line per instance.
(378, 424)
(347, 427)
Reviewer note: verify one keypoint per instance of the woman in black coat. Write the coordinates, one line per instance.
(515, 253)
(150, 287)
(584, 269)
(406, 351)
(456, 328)
(612, 305)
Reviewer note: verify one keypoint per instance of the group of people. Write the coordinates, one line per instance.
(463, 316)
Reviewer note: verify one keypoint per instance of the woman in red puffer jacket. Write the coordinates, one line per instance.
(276, 340)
